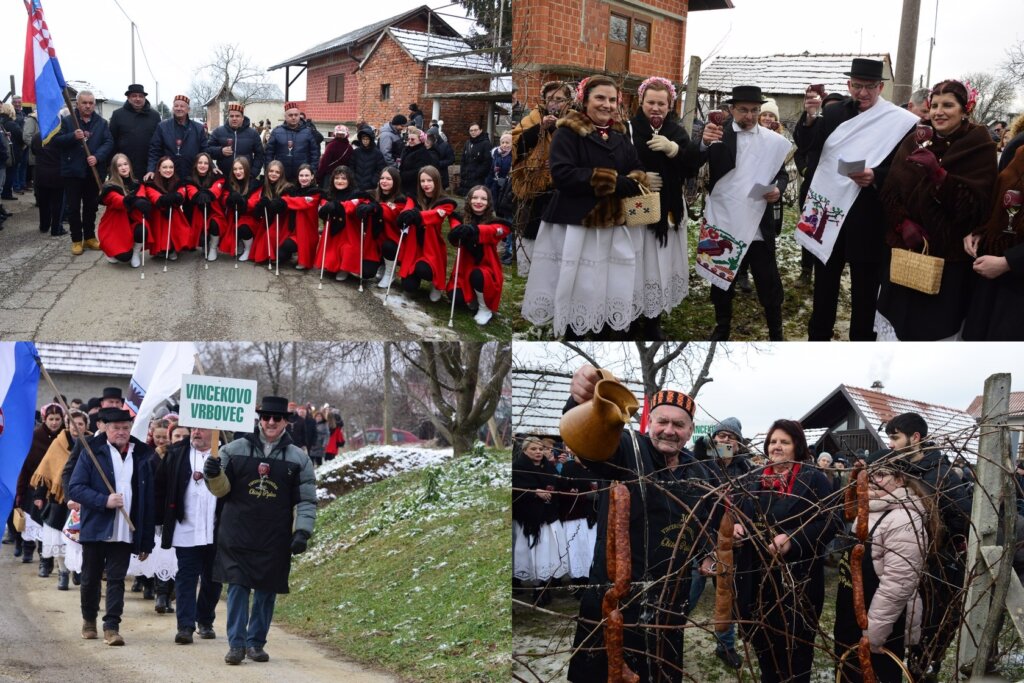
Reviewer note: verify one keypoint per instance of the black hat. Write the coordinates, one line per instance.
(114, 415)
(135, 89)
(746, 93)
(113, 392)
(868, 69)
(833, 97)
(273, 405)
(93, 403)
(399, 120)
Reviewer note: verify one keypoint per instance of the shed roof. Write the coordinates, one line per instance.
(538, 397)
(420, 45)
(116, 359)
(1016, 405)
(782, 74)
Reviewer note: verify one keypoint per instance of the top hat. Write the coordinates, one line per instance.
(273, 405)
(746, 93)
(114, 415)
(135, 89)
(868, 69)
(113, 392)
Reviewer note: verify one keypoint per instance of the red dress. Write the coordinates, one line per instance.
(335, 243)
(391, 231)
(227, 231)
(157, 228)
(116, 230)
(350, 244)
(266, 238)
(214, 211)
(489, 265)
(432, 250)
(303, 221)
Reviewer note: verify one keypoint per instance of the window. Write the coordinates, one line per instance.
(336, 88)
(626, 33)
(618, 29)
(385, 92)
(641, 36)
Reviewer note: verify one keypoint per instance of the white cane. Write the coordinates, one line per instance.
(167, 252)
(277, 249)
(236, 237)
(323, 262)
(143, 273)
(362, 238)
(266, 221)
(206, 239)
(394, 265)
(455, 280)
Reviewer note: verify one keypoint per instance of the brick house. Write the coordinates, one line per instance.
(629, 41)
(375, 72)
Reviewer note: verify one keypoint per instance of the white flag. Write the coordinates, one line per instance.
(156, 377)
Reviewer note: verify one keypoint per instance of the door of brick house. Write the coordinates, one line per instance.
(617, 55)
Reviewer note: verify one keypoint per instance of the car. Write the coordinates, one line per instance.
(375, 436)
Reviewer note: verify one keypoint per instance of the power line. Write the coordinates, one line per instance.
(137, 33)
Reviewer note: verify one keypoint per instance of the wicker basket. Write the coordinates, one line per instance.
(642, 209)
(920, 272)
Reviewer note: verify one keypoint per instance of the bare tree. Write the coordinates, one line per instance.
(995, 95)
(464, 385)
(655, 364)
(231, 75)
(1014, 64)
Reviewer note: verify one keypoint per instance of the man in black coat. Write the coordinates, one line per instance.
(132, 127)
(367, 160)
(862, 238)
(942, 584)
(476, 159)
(236, 139)
(746, 107)
(187, 512)
(179, 138)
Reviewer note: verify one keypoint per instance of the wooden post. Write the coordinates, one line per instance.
(991, 472)
(690, 104)
(215, 434)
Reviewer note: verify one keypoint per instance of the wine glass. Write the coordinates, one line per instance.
(1012, 200)
(291, 144)
(923, 135)
(178, 143)
(718, 118)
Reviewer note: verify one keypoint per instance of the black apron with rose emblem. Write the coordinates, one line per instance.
(255, 528)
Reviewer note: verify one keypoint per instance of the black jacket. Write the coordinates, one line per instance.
(415, 157)
(245, 142)
(305, 149)
(865, 225)
(172, 479)
(476, 161)
(674, 171)
(72, 153)
(164, 143)
(47, 173)
(13, 129)
(132, 132)
(953, 496)
(367, 162)
(445, 158)
(803, 136)
(721, 159)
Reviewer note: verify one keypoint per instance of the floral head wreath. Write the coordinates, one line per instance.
(972, 96)
(581, 89)
(42, 411)
(661, 81)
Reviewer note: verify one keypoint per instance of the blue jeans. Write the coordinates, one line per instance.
(247, 629)
(196, 565)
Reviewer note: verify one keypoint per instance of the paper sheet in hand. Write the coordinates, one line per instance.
(758, 191)
(848, 167)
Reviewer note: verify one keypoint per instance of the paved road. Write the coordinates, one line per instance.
(40, 632)
(48, 294)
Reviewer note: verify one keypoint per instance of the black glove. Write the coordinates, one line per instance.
(203, 198)
(455, 217)
(337, 223)
(142, 205)
(129, 202)
(262, 205)
(165, 201)
(410, 217)
(626, 187)
(464, 236)
(236, 200)
(366, 209)
(327, 209)
(211, 468)
(299, 542)
(177, 199)
(277, 206)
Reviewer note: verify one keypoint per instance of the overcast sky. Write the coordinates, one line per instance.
(763, 382)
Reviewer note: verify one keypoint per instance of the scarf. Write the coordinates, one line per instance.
(870, 136)
(731, 217)
(51, 467)
(531, 175)
(781, 482)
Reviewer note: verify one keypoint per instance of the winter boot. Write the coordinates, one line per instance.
(172, 255)
(136, 255)
(483, 314)
(147, 588)
(247, 246)
(45, 567)
(76, 578)
(28, 547)
(162, 603)
(137, 585)
(341, 276)
(385, 279)
(435, 294)
(62, 580)
(19, 546)
(212, 254)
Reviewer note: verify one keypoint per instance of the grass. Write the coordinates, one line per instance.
(410, 574)
(694, 318)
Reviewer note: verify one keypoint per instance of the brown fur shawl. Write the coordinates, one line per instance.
(994, 240)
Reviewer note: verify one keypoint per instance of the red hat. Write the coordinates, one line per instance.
(236, 106)
(291, 105)
(674, 398)
(182, 98)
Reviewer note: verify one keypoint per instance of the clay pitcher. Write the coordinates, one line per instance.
(592, 429)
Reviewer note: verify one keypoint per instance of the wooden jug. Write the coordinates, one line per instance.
(592, 429)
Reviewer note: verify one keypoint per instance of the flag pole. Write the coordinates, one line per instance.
(215, 436)
(81, 438)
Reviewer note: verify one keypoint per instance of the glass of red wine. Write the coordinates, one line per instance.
(718, 118)
(1012, 201)
(923, 135)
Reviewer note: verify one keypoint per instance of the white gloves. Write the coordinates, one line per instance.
(654, 181)
(660, 143)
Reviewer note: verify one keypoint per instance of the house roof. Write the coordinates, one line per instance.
(270, 92)
(365, 33)
(1016, 405)
(782, 74)
(420, 46)
(538, 397)
(79, 86)
(116, 359)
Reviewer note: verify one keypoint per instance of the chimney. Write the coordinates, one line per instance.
(877, 384)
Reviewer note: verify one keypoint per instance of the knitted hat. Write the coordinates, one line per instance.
(183, 98)
(291, 105)
(236, 106)
(673, 398)
(731, 425)
(770, 107)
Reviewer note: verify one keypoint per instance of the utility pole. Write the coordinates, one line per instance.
(904, 73)
(133, 53)
(931, 45)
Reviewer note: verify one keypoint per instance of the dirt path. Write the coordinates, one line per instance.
(39, 629)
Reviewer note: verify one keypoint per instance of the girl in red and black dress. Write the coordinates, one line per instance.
(337, 208)
(303, 225)
(268, 209)
(203, 192)
(479, 278)
(392, 202)
(234, 203)
(166, 193)
(426, 257)
(120, 229)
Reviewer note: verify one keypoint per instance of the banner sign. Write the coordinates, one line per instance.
(218, 403)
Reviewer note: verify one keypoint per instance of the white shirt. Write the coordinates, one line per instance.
(123, 470)
(197, 527)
